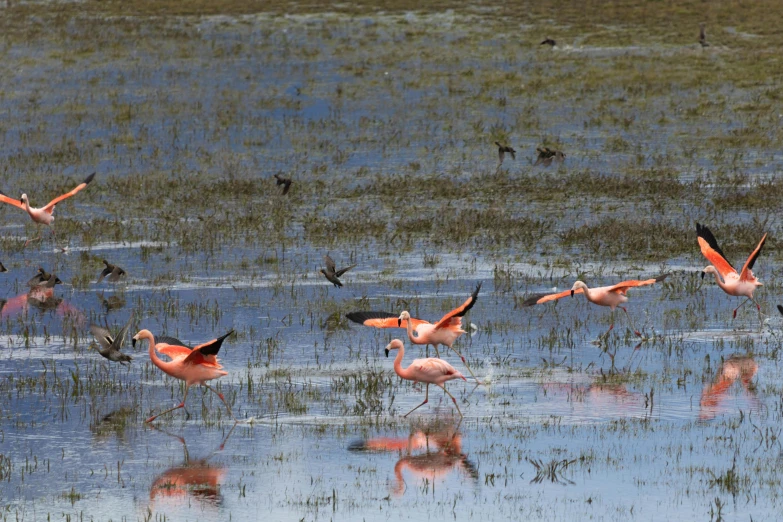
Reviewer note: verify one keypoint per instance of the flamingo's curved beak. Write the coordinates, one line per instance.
(703, 274)
(399, 323)
(133, 342)
(387, 352)
(572, 293)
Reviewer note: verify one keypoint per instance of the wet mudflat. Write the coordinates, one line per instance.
(385, 122)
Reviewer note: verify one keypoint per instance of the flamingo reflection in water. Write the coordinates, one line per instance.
(430, 452)
(733, 369)
(193, 478)
(42, 298)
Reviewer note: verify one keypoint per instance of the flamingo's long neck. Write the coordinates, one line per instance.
(157, 361)
(27, 207)
(720, 283)
(398, 369)
(410, 333)
(586, 291)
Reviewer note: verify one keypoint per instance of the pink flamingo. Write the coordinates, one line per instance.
(611, 296)
(429, 371)
(44, 215)
(738, 285)
(445, 332)
(192, 365)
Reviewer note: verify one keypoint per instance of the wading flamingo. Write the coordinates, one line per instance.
(444, 332)
(331, 273)
(44, 215)
(429, 371)
(192, 365)
(738, 285)
(611, 296)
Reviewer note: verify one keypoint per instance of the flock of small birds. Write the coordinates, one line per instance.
(702, 38)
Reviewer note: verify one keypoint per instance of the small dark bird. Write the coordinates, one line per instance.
(547, 155)
(113, 271)
(286, 182)
(2, 268)
(42, 278)
(548, 41)
(110, 346)
(703, 36)
(331, 273)
(502, 149)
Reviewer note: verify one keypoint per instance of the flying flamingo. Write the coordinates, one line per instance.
(444, 332)
(192, 365)
(44, 215)
(738, 285)
(611, 296)
(429, 371)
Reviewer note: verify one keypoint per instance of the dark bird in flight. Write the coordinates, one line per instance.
(42, 278)
(113, 272)
(547, 155)
(331, 273)
(110, 346)
(548, 41)
(286, 182)
(502, 149)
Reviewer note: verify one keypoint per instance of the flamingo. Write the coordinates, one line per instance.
(113, 271)
(429, 371)
(611, 296)
(192, 365)
(44, 215)
(331, 273)
(444, 332)
(738, 285)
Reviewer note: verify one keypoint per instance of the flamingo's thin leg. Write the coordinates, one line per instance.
(743, 304)
(426, 399)
(465, 363)
(221, 398)
(631, 321)
(452, 399)
(180, 405)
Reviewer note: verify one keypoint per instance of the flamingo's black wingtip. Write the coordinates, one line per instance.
(780, 309)
(662, 277)
(89, 178)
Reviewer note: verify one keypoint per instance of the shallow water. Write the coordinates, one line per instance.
(680, 425)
